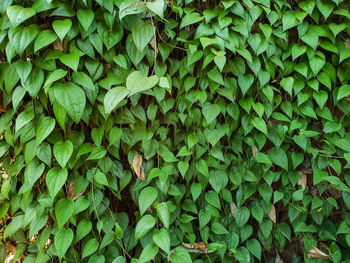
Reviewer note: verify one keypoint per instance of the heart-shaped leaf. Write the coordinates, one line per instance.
(85, 17)
(71, 60)
(21, 37)
(210, 112)
(183, 167)
(244, 82)
(72, 98)
(17, 14)
(45, 38)
(62, 152)
(61, 27)
(55, 179)
(113, 97)
(136, 82)
(142, 34)
(62, 241)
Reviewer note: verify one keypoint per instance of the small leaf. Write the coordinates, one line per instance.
(272, 213)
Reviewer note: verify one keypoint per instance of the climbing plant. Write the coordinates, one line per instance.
(180, 131)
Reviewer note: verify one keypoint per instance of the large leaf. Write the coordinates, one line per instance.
(113, 97)
(136, 82)
(63, 240)
(142, 34)
(72, 98)
(17, 14)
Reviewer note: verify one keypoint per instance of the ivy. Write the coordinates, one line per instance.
(181, 131)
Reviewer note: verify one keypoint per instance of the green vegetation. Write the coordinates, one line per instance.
(181, 131)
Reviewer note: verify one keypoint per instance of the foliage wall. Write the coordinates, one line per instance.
(188, 131)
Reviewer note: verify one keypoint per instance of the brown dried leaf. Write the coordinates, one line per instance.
(278, 259)
(302, 180)
(70, 190)
(316, 253)
(10, 248)
(254, 151)
(58, 45)
(347, 43)
(154, 44)
(233, 209)
(196, 245)
(137, 165)
(272, 214)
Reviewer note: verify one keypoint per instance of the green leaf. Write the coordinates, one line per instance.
(149, 252)
(62, 152)
(90, 247)
(136, 82)
(64, 209)
(61, 27)
(83, 80)
(101, 178)
(157, 7)
(287, 85)
(146, 198)
(190, 19)
(62, 241)
(72, 98)
(162, 240)
(54, 76)
(15, 224)
(180, 255)
(18, 14)
(44, 39)
(242, 215)
(343, 91)
(118, 231)
(20, 37)
(279, 157)
(210, 112)
(85, 17)
(260, 124)
(145, 224)
(219, 229)
(84, 227)
(71, 60)
(164, 214)
(245, 82)
(44, 128)
(55, 179)
(114, 97)
(142, 34)
(254, 247)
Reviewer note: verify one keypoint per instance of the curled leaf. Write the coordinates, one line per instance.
(272, 213)
(302, 180)
(137, 165)
(316, 253)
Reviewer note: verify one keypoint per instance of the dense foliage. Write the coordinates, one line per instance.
(188, 131)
